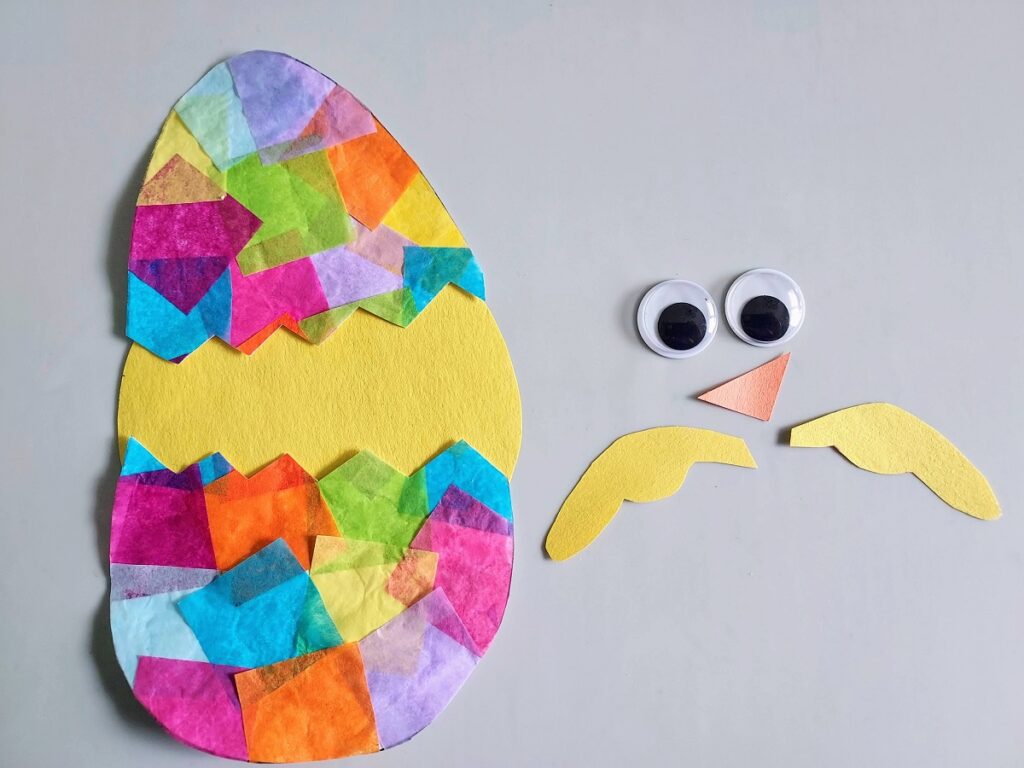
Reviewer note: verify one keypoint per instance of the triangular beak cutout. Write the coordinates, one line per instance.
(753, 393)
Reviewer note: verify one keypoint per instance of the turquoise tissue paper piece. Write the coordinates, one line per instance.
(212, 111)
(165, 330)
(264, 610)
(466, 469)
(213, 467)
(428, 270)
(151, 626)
(138, 460)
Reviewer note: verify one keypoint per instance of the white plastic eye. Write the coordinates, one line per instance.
(765, 307)
(677, 318)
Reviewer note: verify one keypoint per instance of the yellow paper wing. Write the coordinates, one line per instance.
(883, 438)
(641, 466)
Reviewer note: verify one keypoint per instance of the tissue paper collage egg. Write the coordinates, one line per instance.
(311, 543)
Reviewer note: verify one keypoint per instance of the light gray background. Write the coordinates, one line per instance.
(805, 614)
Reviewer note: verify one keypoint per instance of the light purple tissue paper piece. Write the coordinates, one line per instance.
(347, 277)
(130, 581)
(405, 701)
(382, 246)
(340, 118)
(459, 508)
(279, 94)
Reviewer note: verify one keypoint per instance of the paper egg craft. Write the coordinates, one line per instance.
(312, 534)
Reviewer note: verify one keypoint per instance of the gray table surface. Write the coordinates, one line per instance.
(805, 614)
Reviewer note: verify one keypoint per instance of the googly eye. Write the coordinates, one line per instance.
(677, 318)
(765, 307)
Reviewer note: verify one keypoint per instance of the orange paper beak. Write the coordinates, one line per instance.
(753, 393)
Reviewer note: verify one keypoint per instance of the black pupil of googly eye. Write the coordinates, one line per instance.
(765, 318)
(682, 326)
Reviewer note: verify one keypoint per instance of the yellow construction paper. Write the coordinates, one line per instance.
(641, 466)
(420, 216)
(175, 139)
(402, 393)
(883, 438)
